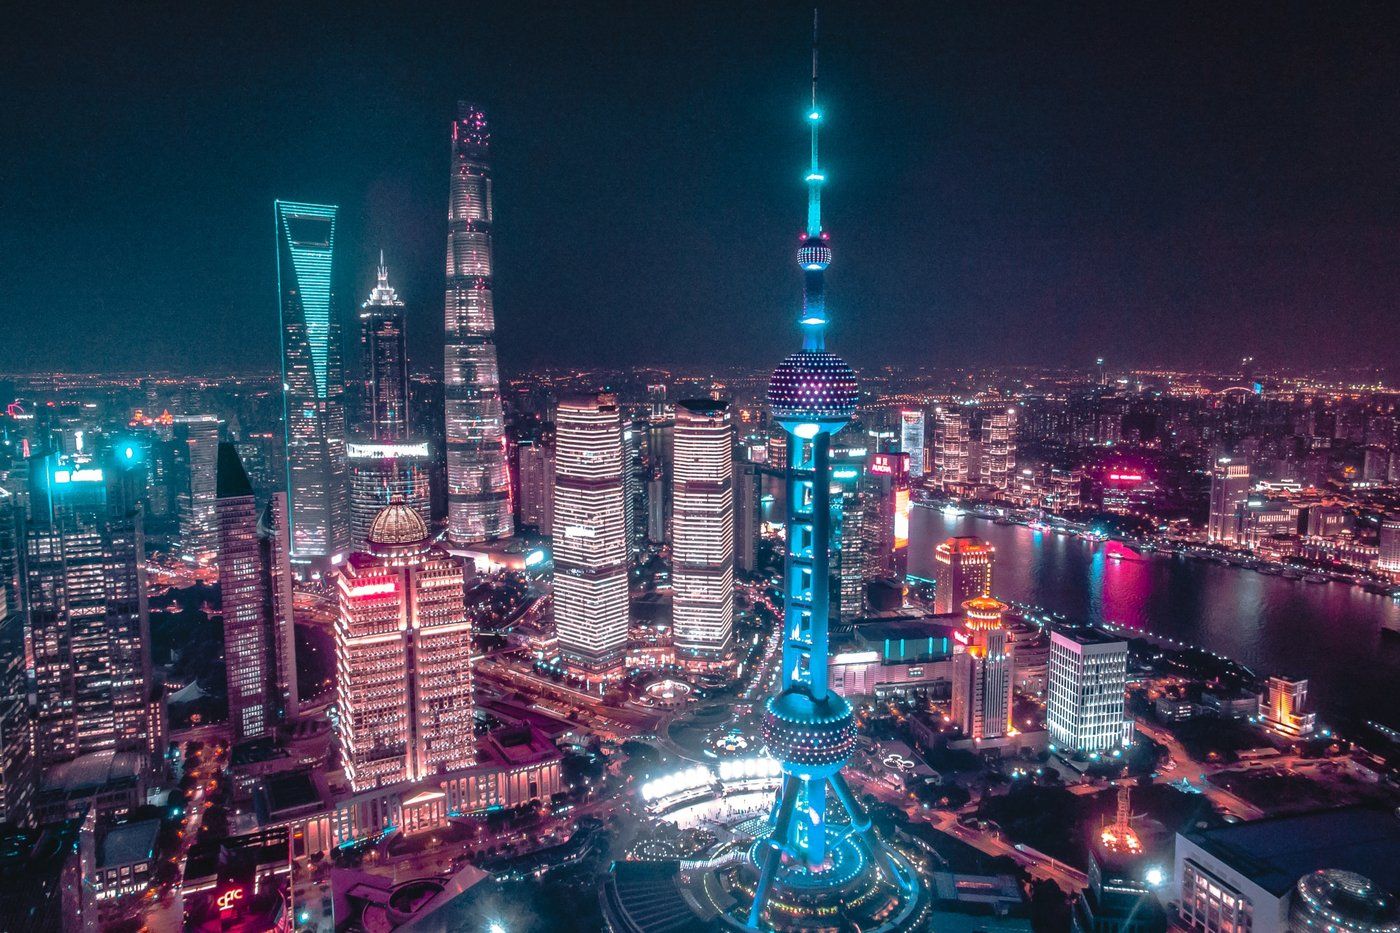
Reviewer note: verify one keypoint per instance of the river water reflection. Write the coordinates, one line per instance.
(1327, 632)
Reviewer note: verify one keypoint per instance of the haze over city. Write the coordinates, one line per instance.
(1161, 184)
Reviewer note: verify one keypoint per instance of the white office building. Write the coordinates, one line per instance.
(1085, 697)
(702, 530)
(590, 537)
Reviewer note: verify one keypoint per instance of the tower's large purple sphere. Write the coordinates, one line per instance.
(813, 386)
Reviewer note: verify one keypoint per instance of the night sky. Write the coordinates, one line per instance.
(1038, 182)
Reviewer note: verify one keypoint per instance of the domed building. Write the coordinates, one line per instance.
(403, 652)
(1333, 901)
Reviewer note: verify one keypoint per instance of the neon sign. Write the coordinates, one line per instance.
(373, 589)
(229, 899)
(1126, 477)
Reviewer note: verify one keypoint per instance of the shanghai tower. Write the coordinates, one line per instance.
(478, 488)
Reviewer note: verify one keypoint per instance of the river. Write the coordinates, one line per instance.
(1329, 633)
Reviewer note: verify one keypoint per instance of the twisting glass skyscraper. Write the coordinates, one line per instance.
(478, 489)
(809, 866)
(313, 385)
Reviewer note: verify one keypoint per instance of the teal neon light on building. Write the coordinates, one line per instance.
(313, 383)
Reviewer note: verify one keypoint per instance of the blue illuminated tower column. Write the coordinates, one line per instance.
(313, 387)
(807, 726)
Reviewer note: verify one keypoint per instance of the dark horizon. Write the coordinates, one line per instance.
(1008, 185)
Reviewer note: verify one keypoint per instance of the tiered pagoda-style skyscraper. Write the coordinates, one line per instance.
(386, 465)
(809, 866)
(478, 487)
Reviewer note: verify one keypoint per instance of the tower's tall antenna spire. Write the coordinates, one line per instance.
(814, 174)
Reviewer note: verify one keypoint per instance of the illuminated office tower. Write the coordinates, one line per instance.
(86, 596)
(384, 473)
(962, 570)
(997, 464)
(537, 485)
(656, 400)
(1389, 558)
(478, 487)
(657, 501)
(982, 672)
(198, 437)
(951, 460)
(1229, 489)
(403, 657)
(1283, 708)
(911, 440)
(16, 728)
(590, 537)
(804, 869)
(255, 580)
(886, 490)
(313, 386)
(747, 518)
(702, 530)
(386, 464)
(1086, 693)
(850, 572)
(634, 486)
(383, 364)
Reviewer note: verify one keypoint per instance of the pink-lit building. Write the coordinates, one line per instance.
(403, 657)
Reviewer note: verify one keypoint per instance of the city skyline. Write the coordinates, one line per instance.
(422, 623)
(1116, 207)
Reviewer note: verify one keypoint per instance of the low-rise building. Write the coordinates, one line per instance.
(119, 862)
(516, 766)
(896, 656)
(1241, 878)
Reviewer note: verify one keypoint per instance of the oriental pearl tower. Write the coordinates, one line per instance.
(810, 867)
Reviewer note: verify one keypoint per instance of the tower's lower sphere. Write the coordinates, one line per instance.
(812, 738)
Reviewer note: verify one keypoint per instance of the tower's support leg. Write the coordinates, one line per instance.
(813, 819)
(781, 831)
(860, 822)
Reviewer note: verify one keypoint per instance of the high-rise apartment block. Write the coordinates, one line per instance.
(1229, 490)
(982, 672)
(403, 657)
(86, 596)
(198, 437)
(997, 460)
(537, 485)
(951, 455)
(748, 486)
(16, 738)
(256, 584)
(911, 439)
(590, 537)
(702, 530)
(313, 386)
(1086, 694)
(478, 487)
(962, 570)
